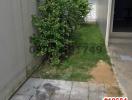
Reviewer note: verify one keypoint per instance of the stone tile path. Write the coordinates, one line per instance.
(121, 56)
(40, 89)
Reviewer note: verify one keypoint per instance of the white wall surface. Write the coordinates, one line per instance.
(102, 14)
(15, 30)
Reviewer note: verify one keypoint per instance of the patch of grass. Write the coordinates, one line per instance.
(89, 49)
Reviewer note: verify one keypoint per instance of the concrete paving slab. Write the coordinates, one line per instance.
(121, 56)
(93, 92)
(30, 87)
(64, 92)
(79, 91)
(41, 89)
(21, 97)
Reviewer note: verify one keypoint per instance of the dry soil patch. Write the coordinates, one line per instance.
(103, 73)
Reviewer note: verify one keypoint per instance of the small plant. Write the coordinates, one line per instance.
(55, 23)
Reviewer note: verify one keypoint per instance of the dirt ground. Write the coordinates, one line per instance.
(103, 73)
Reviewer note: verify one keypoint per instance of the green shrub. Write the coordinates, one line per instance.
(55, 23)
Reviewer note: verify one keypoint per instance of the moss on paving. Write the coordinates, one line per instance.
(89, 49)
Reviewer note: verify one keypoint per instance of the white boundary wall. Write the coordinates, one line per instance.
(15, 30)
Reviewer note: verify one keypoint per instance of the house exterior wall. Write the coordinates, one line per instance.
(15, 30)
(102, 14)
(105, 17)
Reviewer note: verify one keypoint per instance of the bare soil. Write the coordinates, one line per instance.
(103, 74)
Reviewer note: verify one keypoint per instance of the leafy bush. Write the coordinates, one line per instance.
(55, 23)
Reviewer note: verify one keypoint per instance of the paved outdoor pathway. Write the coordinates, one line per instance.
(121, 55)
(40, 89)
